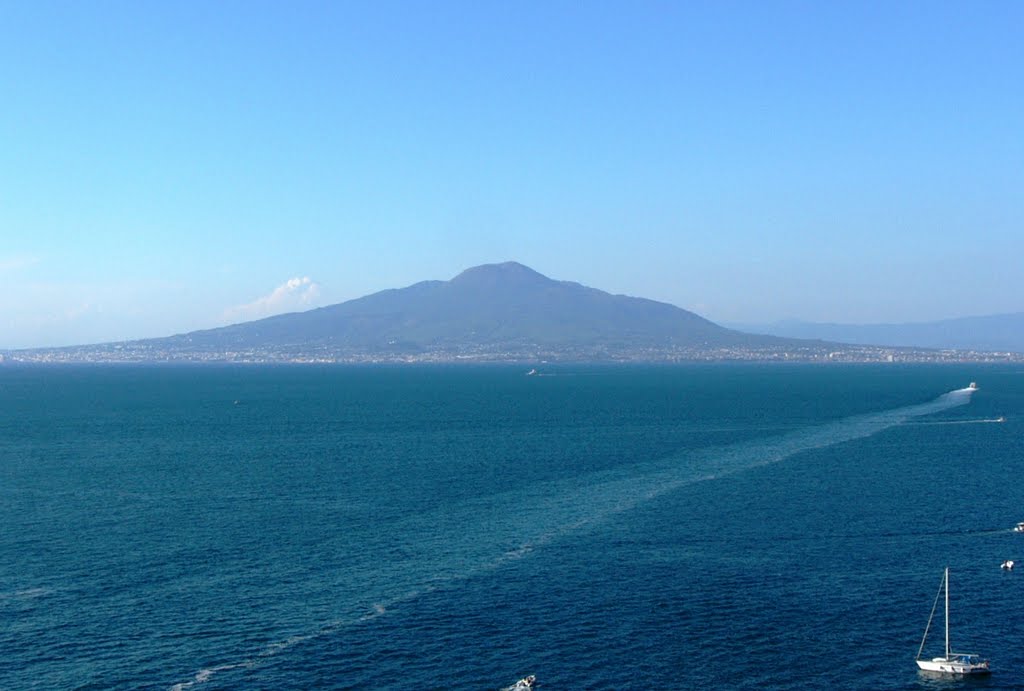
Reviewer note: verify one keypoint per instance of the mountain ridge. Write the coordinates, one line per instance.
(989, 333)
(492, 304)
(505, 312)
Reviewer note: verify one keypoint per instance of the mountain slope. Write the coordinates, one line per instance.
(497, 306)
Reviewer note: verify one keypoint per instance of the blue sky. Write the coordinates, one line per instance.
(169, 167)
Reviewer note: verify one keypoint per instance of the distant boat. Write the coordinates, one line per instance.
(973, 386)
(1008, 565)
(1019, 528)
(524, 684)
(531, 373)
(950, 663)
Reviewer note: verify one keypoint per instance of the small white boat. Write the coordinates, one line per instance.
(1008, 565)
(973, 386)
(1019, 528)
(530, 374)
(950, 663)
(525, 683)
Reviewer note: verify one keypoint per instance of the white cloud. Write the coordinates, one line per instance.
(293, 295)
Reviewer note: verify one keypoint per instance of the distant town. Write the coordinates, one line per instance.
(141, 352)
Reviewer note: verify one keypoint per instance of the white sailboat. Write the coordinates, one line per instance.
(950, 663)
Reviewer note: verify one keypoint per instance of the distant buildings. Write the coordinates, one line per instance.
(141, 353)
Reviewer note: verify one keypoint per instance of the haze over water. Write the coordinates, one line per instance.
(728, 526)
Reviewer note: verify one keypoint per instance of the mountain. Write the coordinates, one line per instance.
(995, 333)
(499, 308)
(491, 313)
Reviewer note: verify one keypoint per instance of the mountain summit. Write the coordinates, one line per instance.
(494, 311)
(507, 273)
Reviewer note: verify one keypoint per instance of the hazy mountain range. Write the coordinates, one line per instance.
(509, 312)
(996, 333)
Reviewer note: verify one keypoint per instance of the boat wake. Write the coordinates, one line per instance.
(25, 594)
(976, 421)
(515, 525)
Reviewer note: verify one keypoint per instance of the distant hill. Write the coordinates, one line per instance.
(996, 333)
(501, 308)
(510, 313)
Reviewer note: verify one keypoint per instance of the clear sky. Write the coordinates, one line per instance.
(172, 166)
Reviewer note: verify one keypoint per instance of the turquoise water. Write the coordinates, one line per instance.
(733, 526)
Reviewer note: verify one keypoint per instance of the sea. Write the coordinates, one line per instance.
(713, 526)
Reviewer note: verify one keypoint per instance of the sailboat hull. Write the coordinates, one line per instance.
(954, 666)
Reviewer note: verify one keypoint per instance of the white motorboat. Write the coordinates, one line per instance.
(950, 663)
(973, 386)
(1019, 528)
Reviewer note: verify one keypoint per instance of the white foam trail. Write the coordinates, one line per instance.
(980, 421)
(569, 509)
(536, 516)
(25, 594)
(204, 675)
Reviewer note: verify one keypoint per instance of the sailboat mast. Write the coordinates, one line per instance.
(947, 612)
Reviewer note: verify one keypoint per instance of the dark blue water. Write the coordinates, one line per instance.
(733, 527)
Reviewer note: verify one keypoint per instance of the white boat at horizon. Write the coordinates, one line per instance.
(950, 663)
